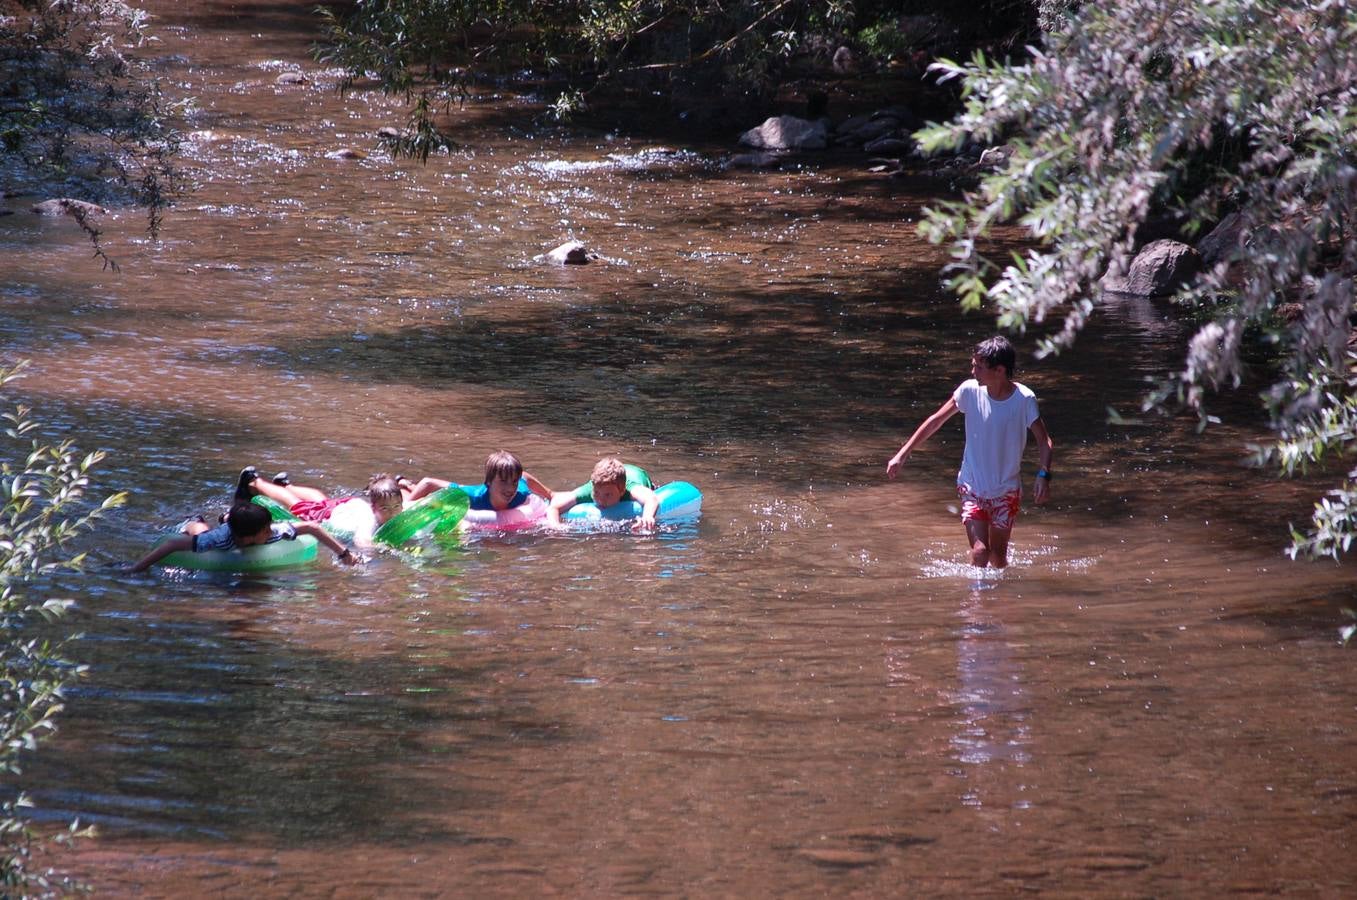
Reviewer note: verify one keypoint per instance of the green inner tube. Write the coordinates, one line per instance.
(259, 558)
(279, 512)
(440, 511)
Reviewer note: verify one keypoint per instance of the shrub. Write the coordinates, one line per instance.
(42, 486)
(1187, 111)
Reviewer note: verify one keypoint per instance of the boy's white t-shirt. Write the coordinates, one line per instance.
(355, 517)
(996, 435)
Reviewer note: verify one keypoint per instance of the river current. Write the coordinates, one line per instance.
(808, 692)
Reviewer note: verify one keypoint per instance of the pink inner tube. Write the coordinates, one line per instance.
(525, 515)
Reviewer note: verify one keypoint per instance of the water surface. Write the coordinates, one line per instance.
(807, 692)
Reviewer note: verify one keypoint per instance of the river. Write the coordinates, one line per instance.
(806, 693)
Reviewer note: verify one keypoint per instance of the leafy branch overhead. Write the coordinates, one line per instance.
(435, 52)
(1188, 111)
(42, 507)
(79, 106)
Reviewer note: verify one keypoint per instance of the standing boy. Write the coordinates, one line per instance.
(999, 412)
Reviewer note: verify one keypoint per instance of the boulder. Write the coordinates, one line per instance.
(844, 62)
(760, 160)
(571, 253)
(292, 78)
(890, 144)
(1224, 239)
(995, 157)
(1160, 268)
(787, 133)
(65, 206)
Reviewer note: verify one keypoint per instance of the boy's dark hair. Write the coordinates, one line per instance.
(246, 519)
(997, 351)
(503, 465)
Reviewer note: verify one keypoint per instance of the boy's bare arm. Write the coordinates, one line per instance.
(180, 542)
(537, 487)
(921, 434)
(650, 507)
(425, 487)
(312, 528)
(560, 502)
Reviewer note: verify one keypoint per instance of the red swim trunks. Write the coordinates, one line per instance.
(316, 510)
(998, 512)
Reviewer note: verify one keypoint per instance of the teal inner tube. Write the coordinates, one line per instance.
(259, 558)
(439, 512)
(678, 500)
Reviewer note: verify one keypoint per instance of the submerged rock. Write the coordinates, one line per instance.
(346, 153)
(292, 78)
(787, 133)
(66, 206)
(761, 160)
(571, 253)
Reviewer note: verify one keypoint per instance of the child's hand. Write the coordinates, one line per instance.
(893, 467)
(1041, 491)
(643, 525)
(349, 558)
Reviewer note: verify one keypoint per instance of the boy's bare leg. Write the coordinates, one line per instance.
(998, 546)
(977, 533)
(989, 545)
(307, 493)
(286, 495)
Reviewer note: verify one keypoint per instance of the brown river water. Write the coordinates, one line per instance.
(806, 693)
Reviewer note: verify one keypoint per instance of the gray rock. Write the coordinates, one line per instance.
(996, 157)
(889, 145)
(1223, 240)
(65, 206)
(760, 160)
(874, 129)
(1160, 268)
(346, 153)
(292, 78)
(787, 133)
(844, 62)
(571, 253)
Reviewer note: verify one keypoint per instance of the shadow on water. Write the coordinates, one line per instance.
(217, 729)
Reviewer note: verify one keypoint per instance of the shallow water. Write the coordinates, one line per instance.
(807, 692)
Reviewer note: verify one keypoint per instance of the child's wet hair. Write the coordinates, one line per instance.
(502, 465)
(609, 470)
(997, 351)
(247, 519)
(382, 489)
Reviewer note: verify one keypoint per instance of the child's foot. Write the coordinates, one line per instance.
(244, 491)
(281, 478)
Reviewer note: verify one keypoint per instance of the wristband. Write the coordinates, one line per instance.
(1044, 473)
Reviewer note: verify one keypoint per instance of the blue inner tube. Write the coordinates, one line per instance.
(678, 500)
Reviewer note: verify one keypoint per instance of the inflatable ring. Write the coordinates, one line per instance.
(258, 558)
(281, 513)
(528, 513)
(678, 500)
(440, 511)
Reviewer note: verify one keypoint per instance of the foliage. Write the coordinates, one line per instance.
(76, 105)
(434, 51)
(1189, 110)
(42, 492)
